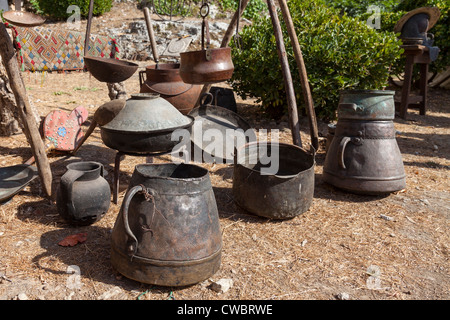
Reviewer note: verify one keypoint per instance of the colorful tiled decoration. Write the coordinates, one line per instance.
(45, 49)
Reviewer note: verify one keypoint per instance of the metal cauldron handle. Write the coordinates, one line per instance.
(141, 78)
(132, 248)
(205, 30)
(167, 93)
(341, 151)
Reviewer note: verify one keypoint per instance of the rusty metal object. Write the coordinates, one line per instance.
(207, 65)
(363, 156)
(283, 194)
(214, 118)
(165, 80)
(145, 125)
(23, 19)
(167, 231)
(108, 70)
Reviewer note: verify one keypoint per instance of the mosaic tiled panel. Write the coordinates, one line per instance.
(45, 49)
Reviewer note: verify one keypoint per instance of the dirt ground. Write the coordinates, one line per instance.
(346, 246)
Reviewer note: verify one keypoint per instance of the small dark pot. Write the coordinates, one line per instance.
(84, 196)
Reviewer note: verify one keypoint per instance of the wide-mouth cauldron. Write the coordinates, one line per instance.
(274, 180)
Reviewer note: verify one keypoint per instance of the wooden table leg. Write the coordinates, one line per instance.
(406, 86)
(423, 87)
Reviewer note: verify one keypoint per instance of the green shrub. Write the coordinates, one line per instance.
(339, 52)
(252, 11)
(355, 8)
(58, 9)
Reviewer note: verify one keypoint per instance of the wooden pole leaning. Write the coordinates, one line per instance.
(302, 72)
(290, 93)
(30, 127)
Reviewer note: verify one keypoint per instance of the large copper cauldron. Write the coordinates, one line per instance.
(363, 156)
(165, 80)
(208, 65)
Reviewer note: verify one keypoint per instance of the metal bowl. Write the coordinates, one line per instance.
(141, 142)
(109, 69)
(23, 19)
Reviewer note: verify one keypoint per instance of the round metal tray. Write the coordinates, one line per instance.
(14, 178)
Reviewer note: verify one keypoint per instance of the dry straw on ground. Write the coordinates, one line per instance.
(357, 247)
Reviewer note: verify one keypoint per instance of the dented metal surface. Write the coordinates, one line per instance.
(167, 231)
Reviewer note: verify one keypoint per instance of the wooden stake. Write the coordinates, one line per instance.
(302, 72)
(291, 101)
(31, 128)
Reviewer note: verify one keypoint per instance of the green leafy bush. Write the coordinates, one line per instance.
(253, 10)
(58, 9)
(355, 8)
(340, 53)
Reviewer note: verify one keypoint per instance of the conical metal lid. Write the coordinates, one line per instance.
(147, 112)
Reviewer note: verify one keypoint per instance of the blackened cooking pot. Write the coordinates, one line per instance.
(145, 125)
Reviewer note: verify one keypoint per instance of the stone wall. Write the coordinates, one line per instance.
(133, 39)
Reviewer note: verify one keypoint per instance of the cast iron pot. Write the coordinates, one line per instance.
(142, 142)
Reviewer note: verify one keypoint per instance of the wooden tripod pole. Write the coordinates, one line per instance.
(291, 101)
(302, 72)
(30, 127)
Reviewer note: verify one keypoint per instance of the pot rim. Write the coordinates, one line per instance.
(73, 165)
(204, 175)
(186, 53)
(279, 144)
(165, 130)
(162, 67)
(367, 91)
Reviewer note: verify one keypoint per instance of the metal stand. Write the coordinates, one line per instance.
(119, 157)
